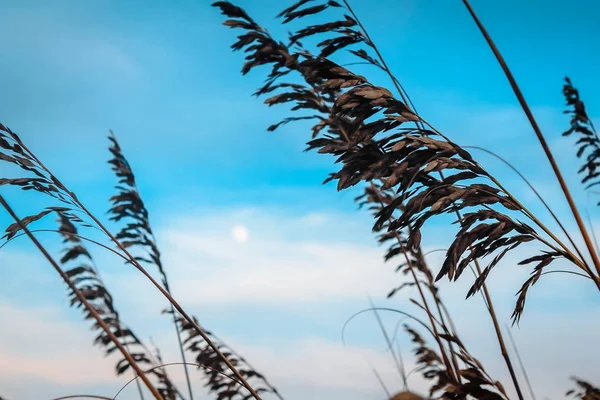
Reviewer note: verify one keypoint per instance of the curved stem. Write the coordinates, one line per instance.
(565, 272)
(356, 314)
(179, 363)
(70, 234)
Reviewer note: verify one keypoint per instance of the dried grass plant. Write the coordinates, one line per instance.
(409, 174)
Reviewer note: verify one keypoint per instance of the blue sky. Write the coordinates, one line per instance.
(163, 78)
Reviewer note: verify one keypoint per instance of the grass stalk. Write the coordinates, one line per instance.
(514, 344)
(381, 383)
(391, 349)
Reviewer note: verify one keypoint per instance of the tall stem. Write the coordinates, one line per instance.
(158, 263)
(531, 392)
(391, 349)
(499, 335)
(182, 352)
(84, 301)
(179, 341)
(540, 136)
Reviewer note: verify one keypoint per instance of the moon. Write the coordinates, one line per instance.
(240, 233)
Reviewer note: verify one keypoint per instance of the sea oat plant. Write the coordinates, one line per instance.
(409, 174)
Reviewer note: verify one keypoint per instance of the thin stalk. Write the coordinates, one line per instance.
(167, 287)
(138, 384)
(140, 268)
(514, 344)
(404, 376)
(592, 229)
(182, 352)
(565, 272)
(540, 136)
(383, 386)
(388, 341)
(83, 301)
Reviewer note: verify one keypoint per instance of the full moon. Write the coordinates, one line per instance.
(239, 233)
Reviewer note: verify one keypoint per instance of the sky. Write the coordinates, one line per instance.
(255, 246)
